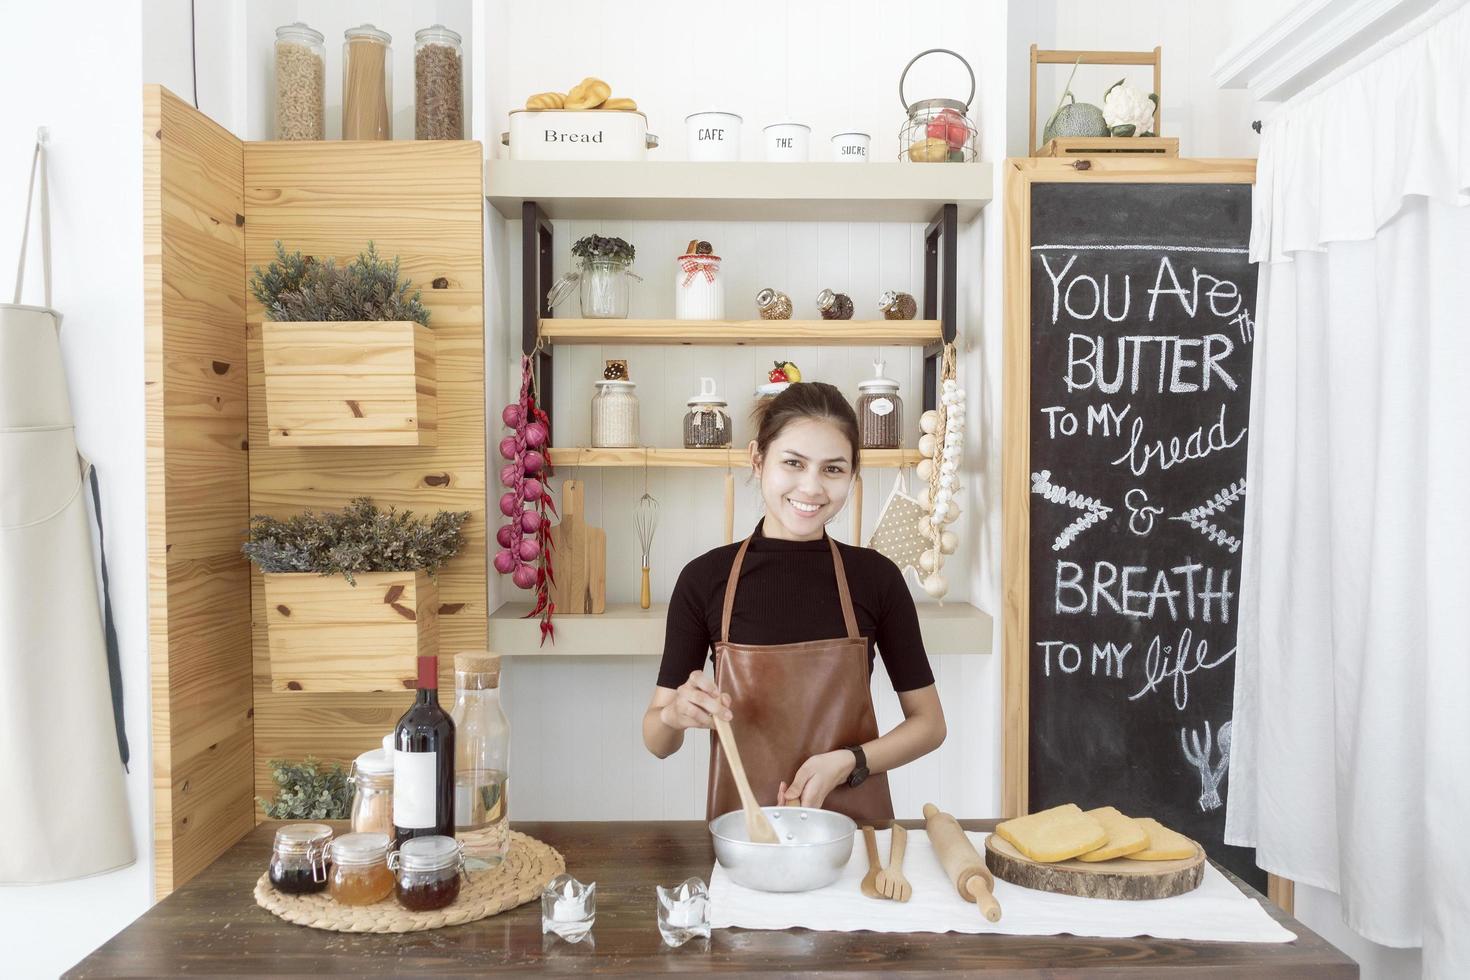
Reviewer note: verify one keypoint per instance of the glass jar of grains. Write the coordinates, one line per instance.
(301, 83)
(360, 874)
(372, 793)
(299, 858)
(367, 84)
(428, 873)
(707, 424)
(438, 84)
(615, 415)
(879, 411)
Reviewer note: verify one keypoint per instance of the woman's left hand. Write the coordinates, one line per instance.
(817, 777)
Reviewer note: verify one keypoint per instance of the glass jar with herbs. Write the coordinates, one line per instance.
(879, 411)
(301, 83)
(367, 84)
(438, 84)
(299, 858)
(602, 279)
(707, 424)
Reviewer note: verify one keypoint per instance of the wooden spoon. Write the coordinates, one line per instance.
(891, 881)
(757, 825)
(869, 885)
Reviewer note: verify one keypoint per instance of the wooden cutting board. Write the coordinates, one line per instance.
(1119, 878)
(578, 557)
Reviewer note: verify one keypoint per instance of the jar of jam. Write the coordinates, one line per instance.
(707, 424)
(372, 793)
(428, 872)
(299, 858)
(879, 411)
(834, 306)
(360, 874)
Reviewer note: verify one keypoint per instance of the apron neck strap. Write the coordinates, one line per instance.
(844, 594)
(38, 162)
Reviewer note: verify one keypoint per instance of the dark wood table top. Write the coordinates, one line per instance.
(213, 926)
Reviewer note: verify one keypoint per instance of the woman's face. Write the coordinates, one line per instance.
(805, 478)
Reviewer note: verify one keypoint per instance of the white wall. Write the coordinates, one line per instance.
(89, 97)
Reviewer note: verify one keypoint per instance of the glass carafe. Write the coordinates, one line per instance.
(481, 750)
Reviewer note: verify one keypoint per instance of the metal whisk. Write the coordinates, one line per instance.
(646, 516)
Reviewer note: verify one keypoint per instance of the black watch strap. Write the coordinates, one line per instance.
(860, 770)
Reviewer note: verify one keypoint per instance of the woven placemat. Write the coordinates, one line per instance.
(518, 879)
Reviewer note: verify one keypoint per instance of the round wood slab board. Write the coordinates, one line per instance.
(1119, 878)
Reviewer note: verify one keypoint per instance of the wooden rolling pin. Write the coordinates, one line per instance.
(964, 865)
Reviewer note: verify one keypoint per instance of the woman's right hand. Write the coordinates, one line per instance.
(695, 703)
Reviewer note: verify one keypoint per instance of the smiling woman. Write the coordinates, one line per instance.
(794, 645)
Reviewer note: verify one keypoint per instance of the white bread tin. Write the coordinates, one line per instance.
(578, 134)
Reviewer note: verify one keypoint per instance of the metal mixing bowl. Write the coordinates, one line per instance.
(815, 847)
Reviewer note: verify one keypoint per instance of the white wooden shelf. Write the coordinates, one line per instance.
(743, 191)
(625, 630)
(710, 458)
(741, 333)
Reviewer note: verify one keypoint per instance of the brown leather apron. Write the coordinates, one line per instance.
(792, 701)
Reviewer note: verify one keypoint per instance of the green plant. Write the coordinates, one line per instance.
(308, 790)
(597, 247)
(298, 287)
(359, 538)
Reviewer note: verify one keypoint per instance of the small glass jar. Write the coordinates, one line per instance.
(773, 304)
(879, 412)
(615, 415)
(360, 874)
(301, 83)
(834, 306)
(438, 84)
(428, 870)
(897, 306)
(372, 793)
(707, 424)
(299, 858)
(699, 291)
(367, 84)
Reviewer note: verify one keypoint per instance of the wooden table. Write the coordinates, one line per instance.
(212, 925)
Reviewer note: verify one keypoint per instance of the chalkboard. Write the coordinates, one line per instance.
(1141, 327)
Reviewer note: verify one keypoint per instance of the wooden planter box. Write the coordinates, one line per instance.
(367, 383)
(327, 636)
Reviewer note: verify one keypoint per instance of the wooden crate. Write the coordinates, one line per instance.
(327, 636)
(1081, 146)
(368, 383)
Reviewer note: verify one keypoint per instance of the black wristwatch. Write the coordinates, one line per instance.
(859, 771)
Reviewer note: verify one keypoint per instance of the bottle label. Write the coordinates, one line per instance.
(414, 796)
(880, 406)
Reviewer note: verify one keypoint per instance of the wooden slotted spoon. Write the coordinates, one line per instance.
(890, 882)
(757, 825)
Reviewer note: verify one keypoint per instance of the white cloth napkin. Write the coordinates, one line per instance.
(1216, 910)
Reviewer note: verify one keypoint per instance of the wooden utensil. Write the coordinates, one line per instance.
(891, 881)
(580, 555)
(869, 885)
(757, 825)
(963, 864)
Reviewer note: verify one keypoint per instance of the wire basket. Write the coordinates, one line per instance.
(938, 130)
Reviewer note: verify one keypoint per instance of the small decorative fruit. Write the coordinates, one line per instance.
(932, 150)
(505, 562)
(524, 577)
(949, 126)
(777, 375)
(792, 373)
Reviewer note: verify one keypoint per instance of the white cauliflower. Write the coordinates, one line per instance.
(1128, 111)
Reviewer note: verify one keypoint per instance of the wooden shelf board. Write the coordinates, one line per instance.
(742, 333)
(625, 630)
(742, 191)
(738, 458)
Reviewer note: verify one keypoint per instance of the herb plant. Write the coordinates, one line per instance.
(308, 790)
(299, 287)
(597, 247)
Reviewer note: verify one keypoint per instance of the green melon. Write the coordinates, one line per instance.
(1073, 118)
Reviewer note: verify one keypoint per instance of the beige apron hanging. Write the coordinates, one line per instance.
(64, 811)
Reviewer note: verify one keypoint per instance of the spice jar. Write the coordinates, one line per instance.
(301, 83)
(360, 874)
(879, 411)
(438, 84)
(299, 858)
(367, 84)
(773, 304)
(615, 415)
(372, 793)
(428, 871)
(699, 292)
(834, 306)
(897, 306)
(707, 424)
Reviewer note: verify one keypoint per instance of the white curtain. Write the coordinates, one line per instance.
(1351, 766)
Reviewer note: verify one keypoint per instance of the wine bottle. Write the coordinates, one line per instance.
(423, 763)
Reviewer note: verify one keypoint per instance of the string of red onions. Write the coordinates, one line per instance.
(525, 540)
